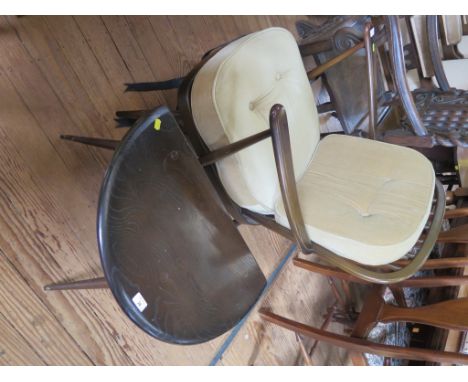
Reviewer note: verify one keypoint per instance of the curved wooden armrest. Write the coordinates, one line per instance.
(284, 164)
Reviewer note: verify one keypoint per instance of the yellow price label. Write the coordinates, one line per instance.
(157, 124)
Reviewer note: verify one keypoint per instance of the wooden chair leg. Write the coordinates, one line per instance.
(360, 345)
(419, 282)
(456, 213)
(98, 283)
(109, 144)
(327, 320)
(457, 235)
(305, 355)
(453, 196)
(399, 295)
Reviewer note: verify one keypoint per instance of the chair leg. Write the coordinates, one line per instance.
(109, 144)
(327, 320)
(150, 86)
(399, 295)
(360, 345)
(98, 283)
(457, 235)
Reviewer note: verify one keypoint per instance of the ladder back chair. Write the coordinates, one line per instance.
(440, 113)
(449, 314)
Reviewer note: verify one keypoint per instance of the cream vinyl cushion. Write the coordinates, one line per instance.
(364, 200)
(231, 99)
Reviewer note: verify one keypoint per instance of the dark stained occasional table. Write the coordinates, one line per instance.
(171, 255)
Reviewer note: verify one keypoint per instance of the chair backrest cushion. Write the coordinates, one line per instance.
(231, 99)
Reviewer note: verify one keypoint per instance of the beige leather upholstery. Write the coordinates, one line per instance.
(365, 200)
(231, 99)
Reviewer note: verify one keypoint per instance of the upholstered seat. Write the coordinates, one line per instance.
(364, 200)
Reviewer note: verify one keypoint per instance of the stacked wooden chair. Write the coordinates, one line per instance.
(440, 47)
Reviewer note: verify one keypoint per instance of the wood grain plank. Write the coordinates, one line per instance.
(26, 311)
(53, 251)
(295, 294)
(92, 76)
(110, 60)
(133, 56)
(161, 51)
(51, 94)
(46, 53)
(35, 239)
(14, 350)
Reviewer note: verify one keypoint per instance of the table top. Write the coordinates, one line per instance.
(173, 258)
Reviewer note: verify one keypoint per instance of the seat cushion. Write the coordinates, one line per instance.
(365, 200)
(231, 99)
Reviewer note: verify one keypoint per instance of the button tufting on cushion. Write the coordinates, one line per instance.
(231, 99)
(365, 200)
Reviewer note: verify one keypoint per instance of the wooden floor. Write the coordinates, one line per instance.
(66, 75)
